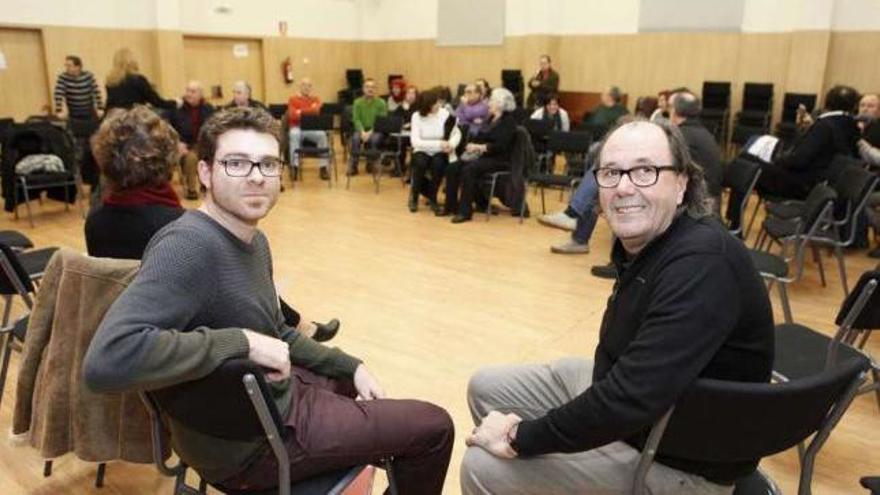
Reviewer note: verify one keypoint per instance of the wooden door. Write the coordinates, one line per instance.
(24, 87)
(222, 61)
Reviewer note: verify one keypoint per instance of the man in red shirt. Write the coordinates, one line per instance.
(305, 104)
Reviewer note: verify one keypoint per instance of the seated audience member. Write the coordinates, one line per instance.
(187, 121)
(688, 304)
(871, 155)
(445, 99)
(364, 112)
(684, 112)
(127, 87)
(490, 150)
(662, 111)
(305, 103)
(241, 96)
(485, 89)
(397, 95)
(137, 152)
(473, 111)
(869, 112)
(431, 148)
(606, 114)
(408, 107)
(544, 83)
(646, 106)
(204, 294)
(793, 174)
(553, 113)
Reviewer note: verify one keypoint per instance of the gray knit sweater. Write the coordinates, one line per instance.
(183, 315)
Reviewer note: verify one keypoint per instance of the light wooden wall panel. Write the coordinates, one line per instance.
(323, 61)
(170, 61)
(211, 61)
(852, 60)
(24, 87)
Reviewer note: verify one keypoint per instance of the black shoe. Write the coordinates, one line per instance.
(325, 175)
(326, 331)
(874, 253)
(461, 219)
(413, 204)
(604, 271)
(442, 212)
(434, 207)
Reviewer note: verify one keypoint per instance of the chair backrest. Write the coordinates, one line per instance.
(388, 125)
(839, 163)
(218, 405)
(854, 187)
(332, 108)
(732, 422)
(758, 96)
(791, 101)
(539, 129)
(14, 279)
(277, 109)
(569, 142)
(39, 137)
(716, 95)
(868, 316)
(322, 122)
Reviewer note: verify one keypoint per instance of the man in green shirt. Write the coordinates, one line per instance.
(605, 116)
(364, 112)
(205, 293)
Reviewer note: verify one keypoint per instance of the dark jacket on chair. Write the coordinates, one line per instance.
(832, 133)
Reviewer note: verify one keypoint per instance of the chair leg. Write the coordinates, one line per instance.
(4, 367)
(817, 257)
(754, 215)
(543, 205)
(47, 468)
(841, 266)
(7, 309)
(27, 204)
(786, 307)
(99, 478)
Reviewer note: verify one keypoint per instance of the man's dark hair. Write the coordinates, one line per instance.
(615, 94)
(697, 202)
(135, 148)
(426, 100)
(255, 119)
(547, 99)
(686, 104)
(843, 98)
(74, 60)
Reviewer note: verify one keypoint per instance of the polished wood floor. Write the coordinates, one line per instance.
(426, 303)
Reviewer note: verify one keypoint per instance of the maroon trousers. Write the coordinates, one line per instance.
(328, 430)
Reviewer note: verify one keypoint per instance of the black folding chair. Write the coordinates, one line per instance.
(321, 123)
(389, 148)
(740, 176)
(235, 403)
(716, 108)
(802, 351)
(733, 422)
(575, 146)
(539, 132)
(277, 110)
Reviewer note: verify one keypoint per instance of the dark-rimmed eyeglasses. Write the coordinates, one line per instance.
(242, 167)
(640, 176)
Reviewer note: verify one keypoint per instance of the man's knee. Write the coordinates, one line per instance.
(484, 384)
(481, 472)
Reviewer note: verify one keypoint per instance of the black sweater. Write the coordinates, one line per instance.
(813, 151)
(498, 137)
(690, 305)
(114, 231)
(135, 89)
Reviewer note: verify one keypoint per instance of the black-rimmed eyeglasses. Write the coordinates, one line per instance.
(242, 167)
(640, 176)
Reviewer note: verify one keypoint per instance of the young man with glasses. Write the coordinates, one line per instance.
(205, 294)
(687, 304)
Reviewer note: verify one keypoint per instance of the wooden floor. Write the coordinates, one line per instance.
(426, 303)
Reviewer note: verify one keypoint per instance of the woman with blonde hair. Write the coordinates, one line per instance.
(127, 87)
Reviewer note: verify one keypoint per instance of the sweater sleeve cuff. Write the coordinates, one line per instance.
(228, 343)
(347, 364)
(531, 437)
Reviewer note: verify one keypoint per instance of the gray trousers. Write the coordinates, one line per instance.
(530, 391)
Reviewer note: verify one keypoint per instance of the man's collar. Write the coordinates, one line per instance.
(833, 113)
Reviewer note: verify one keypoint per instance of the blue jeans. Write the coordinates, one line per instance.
(583, 201)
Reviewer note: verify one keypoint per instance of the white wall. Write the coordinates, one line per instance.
(126, 14)
(411, 19)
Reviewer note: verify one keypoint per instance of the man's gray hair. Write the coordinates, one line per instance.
(615, 94)
(686, 105)
(504, 98)
(697, 202)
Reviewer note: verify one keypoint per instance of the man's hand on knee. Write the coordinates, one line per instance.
(367, 386)
(270, 353)
(494, 434)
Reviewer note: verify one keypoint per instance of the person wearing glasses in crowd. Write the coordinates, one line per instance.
(205, 294)
(687, 304)
(473, 111)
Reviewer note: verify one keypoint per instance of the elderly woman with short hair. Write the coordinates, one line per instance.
(489, 151)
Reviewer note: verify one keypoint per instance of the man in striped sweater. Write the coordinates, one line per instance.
(77, 92)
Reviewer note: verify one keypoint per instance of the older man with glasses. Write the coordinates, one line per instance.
(687, 304)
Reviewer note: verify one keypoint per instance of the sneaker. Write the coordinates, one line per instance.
(558, 220)
(604, 271)
(570, 247)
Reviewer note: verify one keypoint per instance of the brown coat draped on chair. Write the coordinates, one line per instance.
(53, 405)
